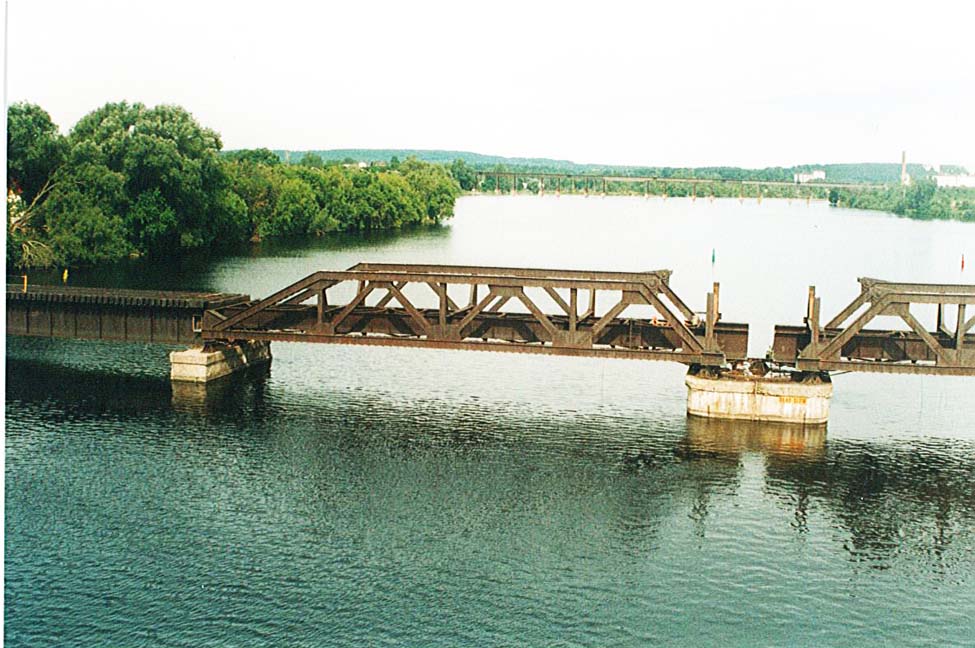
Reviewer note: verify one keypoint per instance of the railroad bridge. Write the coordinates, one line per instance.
(632, 315)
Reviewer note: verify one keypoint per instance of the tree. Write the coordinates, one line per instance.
(35, 149)
(463, 174)
(917, 199)
(165, 152)
(436, 189)
(312, 159)
(293, 212)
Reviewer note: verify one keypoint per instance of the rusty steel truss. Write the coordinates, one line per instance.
(845, 343)
(560, 312)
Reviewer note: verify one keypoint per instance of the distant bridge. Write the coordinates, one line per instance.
(593, 182)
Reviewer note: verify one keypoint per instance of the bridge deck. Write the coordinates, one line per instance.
(168, 317)
(38, 293)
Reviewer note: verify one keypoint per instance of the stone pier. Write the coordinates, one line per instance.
(785, 399)
(216, 360)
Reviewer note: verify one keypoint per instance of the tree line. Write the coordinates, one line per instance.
(922, 200)
(865, 172)
(133, 181)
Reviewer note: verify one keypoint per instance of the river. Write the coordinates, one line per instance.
(387, 496)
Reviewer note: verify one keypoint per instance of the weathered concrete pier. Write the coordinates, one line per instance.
(213, 361)
(784, 399)
(626, 315)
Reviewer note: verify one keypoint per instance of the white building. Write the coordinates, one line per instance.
(802, 178)
(955, 180)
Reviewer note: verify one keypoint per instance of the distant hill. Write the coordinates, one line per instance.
(441, 157)
(866, 172)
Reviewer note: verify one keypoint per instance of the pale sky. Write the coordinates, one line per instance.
(740, 83)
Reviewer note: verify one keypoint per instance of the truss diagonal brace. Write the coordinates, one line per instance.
(557, 298)
(415, 315)
(539, 315)
(284, 293)
(904, 311)
(835, 346)
(352, 305)
(686, 335)
(389, 295)
(475, 311)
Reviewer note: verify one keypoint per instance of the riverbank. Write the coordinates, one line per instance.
(130, 181)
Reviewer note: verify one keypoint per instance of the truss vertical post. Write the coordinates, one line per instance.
(960, 328)
(812, 318)
(322, 304)
(717, 302)
(709, 341)
(574, 310)
(442, 291)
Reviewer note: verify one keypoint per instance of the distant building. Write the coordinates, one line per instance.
(955, 180)
(802, 178)
(905, 177)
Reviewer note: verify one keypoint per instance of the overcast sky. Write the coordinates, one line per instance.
(679, 83)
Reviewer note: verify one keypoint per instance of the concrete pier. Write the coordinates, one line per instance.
(760, 398)
(216, 360)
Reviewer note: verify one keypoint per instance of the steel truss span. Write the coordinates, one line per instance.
(523, 310)
(845, 344)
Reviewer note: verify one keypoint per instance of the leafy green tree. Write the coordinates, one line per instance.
(83, 231)
(312, 159)
(293, 212)
(151, 223)
(917, 200)
(465, 176)
(436, 188)
(162, 149)
(258, 187)
(35, 149)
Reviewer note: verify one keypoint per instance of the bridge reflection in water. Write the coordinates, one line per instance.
(890, 499)
(894, 500)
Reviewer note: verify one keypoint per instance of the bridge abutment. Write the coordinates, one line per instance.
(800, 399)
(216, 360)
